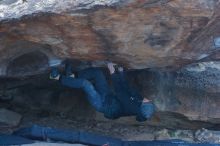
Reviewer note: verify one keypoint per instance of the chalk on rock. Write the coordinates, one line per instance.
(9, 118)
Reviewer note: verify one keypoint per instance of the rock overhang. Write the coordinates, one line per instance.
(158, 34)
(137, 34)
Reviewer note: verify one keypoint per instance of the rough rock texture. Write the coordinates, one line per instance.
(9, 118)
(138, 34)
(18, 8)
(205, 136)
(183, 99)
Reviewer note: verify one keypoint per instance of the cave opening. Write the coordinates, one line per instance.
(169, 50)
(180, 97)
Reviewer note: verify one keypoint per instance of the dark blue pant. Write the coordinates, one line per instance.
(97, 77)
(127, 102)
(96, 94)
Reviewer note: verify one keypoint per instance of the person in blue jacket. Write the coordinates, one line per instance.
(122, 101)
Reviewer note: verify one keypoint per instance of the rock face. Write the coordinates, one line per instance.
(192, 94)
(9, 118)
(138, 34)
(164, 35)
(184, 99)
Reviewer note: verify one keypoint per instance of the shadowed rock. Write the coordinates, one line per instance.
(165, 35)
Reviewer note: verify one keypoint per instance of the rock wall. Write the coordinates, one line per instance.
(137, 34)
(184, 99)
(161, 35)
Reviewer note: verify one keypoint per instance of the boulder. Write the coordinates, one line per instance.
(207, 136)
(164, 35)
(137, 34)
(9, 118)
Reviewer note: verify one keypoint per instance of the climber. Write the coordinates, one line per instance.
(125, 101)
